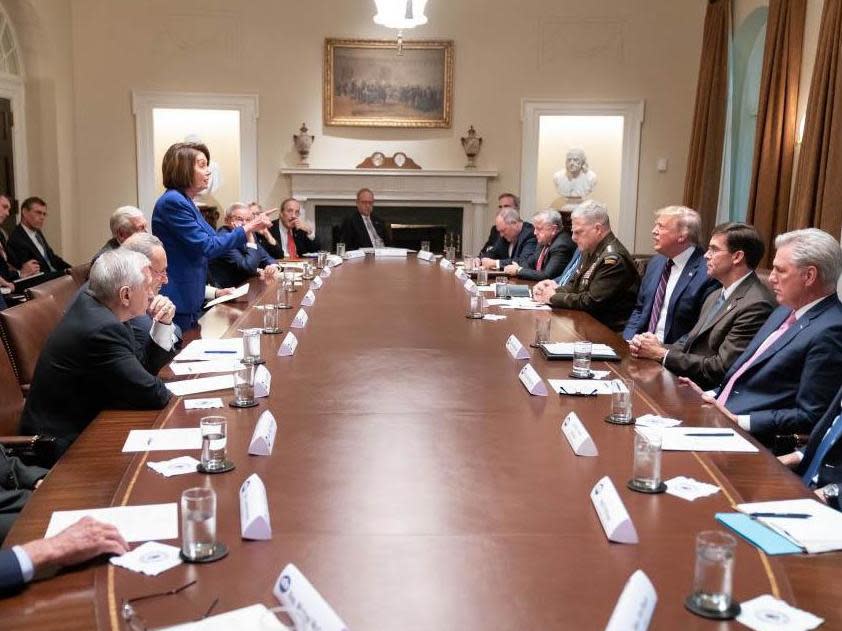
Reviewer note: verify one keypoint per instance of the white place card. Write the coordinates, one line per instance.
(426, 256)
(316, 283)
(578, 437)
(353, 254)
(636, 605)
(262, 382)
(445, 264)
(300, 320)
(309, 299)
(612, 513)
(325, 273)
(292, 589)
(470, 286)
(460, 274)
(289, 345)
(254, 510)
(532, 381)
(516, 349)
(263, 438)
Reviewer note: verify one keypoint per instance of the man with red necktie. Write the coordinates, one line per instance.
(555, 249)
(293, 235)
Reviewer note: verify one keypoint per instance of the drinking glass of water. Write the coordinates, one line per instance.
(582, 359)
(198, 523)
(713, 577)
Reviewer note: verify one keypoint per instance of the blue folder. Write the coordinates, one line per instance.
(755, 532)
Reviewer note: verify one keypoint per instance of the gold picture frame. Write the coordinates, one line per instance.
(367, 84)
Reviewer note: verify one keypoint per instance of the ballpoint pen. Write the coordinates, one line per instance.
(782, 515)
(700, 435)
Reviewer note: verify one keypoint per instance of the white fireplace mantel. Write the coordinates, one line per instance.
(399, 187)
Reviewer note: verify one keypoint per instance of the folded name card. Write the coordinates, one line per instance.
(460, 274)
(263, 438)
(532, 381)
(578, 437)
(470, 286)
(612, 513)
(516, 349)
(636, 605)
(309, 299)
(325, 273)
(254, 510)
(289, 345)
(292, 589)
(353, 254)
(443, 262)
(300, 320)
(316, 283)
(426, 256)
(262, 381)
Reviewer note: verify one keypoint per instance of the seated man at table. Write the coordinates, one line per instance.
(90, 363)
(363, 229)
(605, 283)
(789, 373)
(555, 247)
(676, 283)
(504, 200)
(8, 272)
(730, 317)
(293, 236)
(236, 265)
(27, 242)
(124, 222)
(516, 244)
(819, 463)
(17, 482)
(84, 540)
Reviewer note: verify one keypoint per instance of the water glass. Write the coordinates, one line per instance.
(470, 263)
(321, 259)
(378, 243)
(198, 523)
(251, 346)
(270, 319)
(425, 246)
(482, 277)
(713, 578)
(622, 391)
(289, 280)
(582, 359)
(543, 326)
(308, 272)
(476, 306)
(214, 440)
(244, 385)
(646, 470)
(340, 249)
(282, 297)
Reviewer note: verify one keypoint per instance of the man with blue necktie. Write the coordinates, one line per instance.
(789, 373)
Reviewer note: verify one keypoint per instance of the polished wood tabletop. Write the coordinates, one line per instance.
(415, 481)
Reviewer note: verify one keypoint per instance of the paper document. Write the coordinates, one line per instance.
(136, 523)
(580, 387)
(653, 420)
(240, 291)
(701, 439)
(163, 439)
(808, 523)
(518, 303)
(229, 348)
(204, 367)
(151, 558)
(252, 617)
(202, 384)
(202, 404)
(391, 252)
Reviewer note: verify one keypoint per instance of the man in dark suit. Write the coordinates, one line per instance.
(236, 265)
(8, 272)
(516, 244)
(124, 222)
(730, 317)
(363, 229)
(84, 540)
(504, 200)
(292, 236)
(90, 363)
(27, 242)
(676, 283)
(787, 376)
(555, 248)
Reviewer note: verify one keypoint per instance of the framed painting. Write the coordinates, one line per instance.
(368, 84)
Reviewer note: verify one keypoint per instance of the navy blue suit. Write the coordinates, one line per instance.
(11, 576)
(788, 388)
(238, 264)
(524, 247)
(189, 242)
(833, 459)
(685, 303)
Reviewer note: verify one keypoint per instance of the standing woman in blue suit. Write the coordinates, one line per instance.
(188, 239)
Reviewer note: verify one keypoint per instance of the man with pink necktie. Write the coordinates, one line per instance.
(792, 369)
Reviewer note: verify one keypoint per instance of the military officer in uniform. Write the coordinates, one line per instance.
(606, 282)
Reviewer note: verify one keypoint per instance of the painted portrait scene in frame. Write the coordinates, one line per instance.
(368, 84)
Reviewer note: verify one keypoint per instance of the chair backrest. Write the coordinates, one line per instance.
(763, 275)
(11, 398)
(640, 262)
(62, 289)
(24, 329)
(80, 273)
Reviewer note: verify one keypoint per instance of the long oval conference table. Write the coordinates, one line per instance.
(416, 483)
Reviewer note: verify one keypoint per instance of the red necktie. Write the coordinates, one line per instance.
(540, 263)
(293, 253)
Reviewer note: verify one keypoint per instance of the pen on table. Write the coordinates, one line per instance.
(221, 352)
(783, 515)
(561, 390)
(700, 435)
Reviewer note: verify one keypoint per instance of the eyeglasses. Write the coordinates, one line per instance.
(133, 620)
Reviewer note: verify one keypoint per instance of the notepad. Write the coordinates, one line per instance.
(756, 533)
(564, 350)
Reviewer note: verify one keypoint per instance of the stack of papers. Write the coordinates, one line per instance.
(202, 384)
(807, 523)
(565, 349)
(700, 439)
(230, 349)
(202, 367)
(518, 303)
(136, 523)
(688, 488)
(580, 387)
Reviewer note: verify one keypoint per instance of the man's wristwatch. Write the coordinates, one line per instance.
(831, 495)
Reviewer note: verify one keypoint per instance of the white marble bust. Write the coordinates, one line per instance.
(576, 181)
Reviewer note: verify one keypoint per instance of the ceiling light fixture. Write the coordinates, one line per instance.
(400, 15)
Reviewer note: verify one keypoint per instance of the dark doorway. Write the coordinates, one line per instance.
(7, 169)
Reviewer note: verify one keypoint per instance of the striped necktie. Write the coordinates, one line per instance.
(659, 297)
